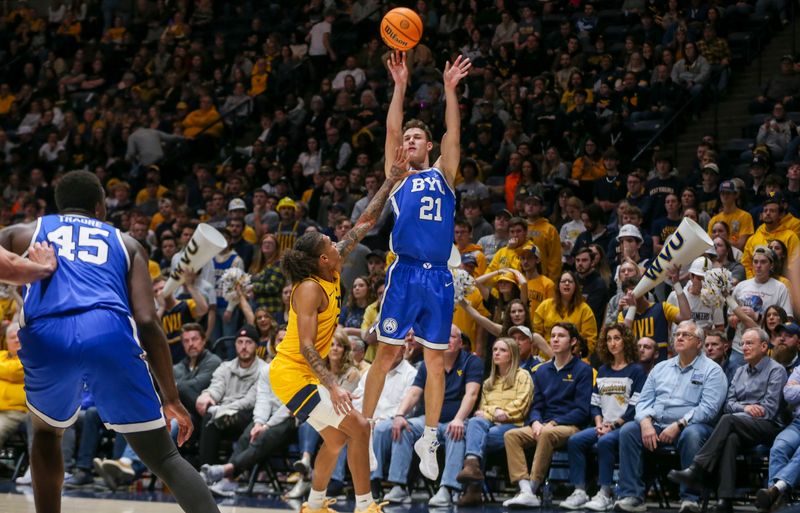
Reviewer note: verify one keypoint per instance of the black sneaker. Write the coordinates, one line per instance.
(79, 479)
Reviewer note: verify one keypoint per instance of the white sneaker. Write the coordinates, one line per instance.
(523, 500)
(576, 500)
(299, 490)
(442, 499)
(224, 488)
(373, 460)
(426, 450)
(600, 502)
(630, 505)
(397, 495)
(689, 507)
(25, 479)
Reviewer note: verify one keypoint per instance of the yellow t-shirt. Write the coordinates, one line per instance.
(5, 104)
(545, 236)
(762, 238)
(143, 196)
(546, 316)
(370, 318)
(739, 222)
(539, 289)
(292, 379)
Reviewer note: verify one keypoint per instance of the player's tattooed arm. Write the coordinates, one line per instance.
(317, 364)
(370, 215)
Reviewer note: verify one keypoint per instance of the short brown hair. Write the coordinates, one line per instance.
(416, 123)
(193, 326)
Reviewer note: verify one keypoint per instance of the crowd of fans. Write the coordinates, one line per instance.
(266, 121)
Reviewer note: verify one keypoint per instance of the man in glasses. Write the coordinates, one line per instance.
(678, 404)
(752, 416)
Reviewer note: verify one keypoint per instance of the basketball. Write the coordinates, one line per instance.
(401, 29)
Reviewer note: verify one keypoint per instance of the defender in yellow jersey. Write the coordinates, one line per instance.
(298, 374)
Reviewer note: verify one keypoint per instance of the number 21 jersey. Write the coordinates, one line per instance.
(92, 269)
(424, 207)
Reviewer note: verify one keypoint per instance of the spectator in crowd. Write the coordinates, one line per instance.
(544, 236)
(616, 391)
(505, 400)
(739, 222)
(463, 378)
(194, 372)
(270, 429)
(757, 293)
(781, 87)
(653, 319)
(684, 420)
(561, 399)
(752, 415)
(648, 353)
(716, 347)
(174, 313)
(508, 256)
(227, 404)
(12, 406)
(568, 306)
(706, 317)
(593, 288)
(769, 230)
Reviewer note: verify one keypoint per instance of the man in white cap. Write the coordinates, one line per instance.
(704, 316)
(630, 243)
(533, 348)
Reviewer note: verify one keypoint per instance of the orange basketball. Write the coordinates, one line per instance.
(401, 29)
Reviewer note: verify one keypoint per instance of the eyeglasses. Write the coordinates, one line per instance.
(685, 334)
(567, 281)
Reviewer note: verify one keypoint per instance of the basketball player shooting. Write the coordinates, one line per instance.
(93, 322)
(419, 287)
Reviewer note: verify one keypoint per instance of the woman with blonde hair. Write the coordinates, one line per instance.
(616, 392)
(505, 400)
(568, 305)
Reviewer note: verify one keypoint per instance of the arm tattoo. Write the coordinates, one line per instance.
(369, 217)
(317, 365)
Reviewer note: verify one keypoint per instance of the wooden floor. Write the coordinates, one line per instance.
(18, 503)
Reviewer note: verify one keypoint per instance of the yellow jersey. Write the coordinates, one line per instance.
(292, 379)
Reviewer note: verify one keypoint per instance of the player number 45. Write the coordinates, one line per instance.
(426, 210)
(91, 247)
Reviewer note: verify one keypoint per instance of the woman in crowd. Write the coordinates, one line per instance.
(726, 259)
(352, 314)
(266, 276)
(510, 284)
(616, 392)
(773, 317)
(282, 317)
(347, 377)
(505, 400)
(567, 306)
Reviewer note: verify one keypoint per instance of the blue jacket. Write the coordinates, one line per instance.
(563, 396)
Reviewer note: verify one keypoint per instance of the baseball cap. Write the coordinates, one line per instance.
(377, 253)
(534, 197)
(469, 259)
(787, 57)
(630, 230)
(790, 327)
(766, 251)
(237, 204)
(727, 186)
(507, 276)
(758, 161)
(699, 266)
(710, 167)
(182, 105)
(248, 331)
(506, 213)
(520, 329)
(535, 251)
(286, 202)
(773, 197)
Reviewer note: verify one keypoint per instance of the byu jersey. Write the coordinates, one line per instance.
(92, 269)
(424, 207)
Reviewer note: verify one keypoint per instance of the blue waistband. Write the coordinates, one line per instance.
(406, 260)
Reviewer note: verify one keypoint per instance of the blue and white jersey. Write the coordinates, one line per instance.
(92, 269)
(424, 207)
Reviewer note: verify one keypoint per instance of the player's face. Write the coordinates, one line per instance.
(416, 142)
(501, 354)
(193, 343)
(245, 349)
(330, 255)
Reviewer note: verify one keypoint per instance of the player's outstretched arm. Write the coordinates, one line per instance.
(14, 269)
(451, 142)
(152, 338)
(394, 117)
(368, 218)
